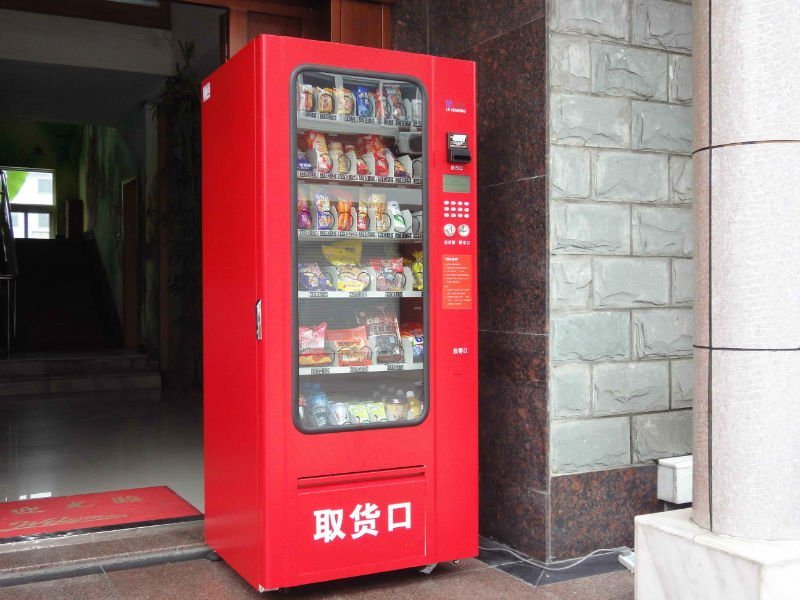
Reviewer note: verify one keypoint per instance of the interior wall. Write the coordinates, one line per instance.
(105, 162)
(37, 145)
(507, 41)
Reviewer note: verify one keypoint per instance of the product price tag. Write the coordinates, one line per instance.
(395, 367)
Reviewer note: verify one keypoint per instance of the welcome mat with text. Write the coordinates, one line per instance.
(29, 519)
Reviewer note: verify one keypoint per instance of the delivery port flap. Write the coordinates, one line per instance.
(356, 519)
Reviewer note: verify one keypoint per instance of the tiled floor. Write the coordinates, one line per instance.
(201, 579)
(93, 442)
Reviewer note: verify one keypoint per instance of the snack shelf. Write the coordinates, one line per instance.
(365, 369)
(366, 294)
(371, 180)
(365, 235)
(333, 123)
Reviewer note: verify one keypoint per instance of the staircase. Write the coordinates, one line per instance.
(74, 373)
(64, 303)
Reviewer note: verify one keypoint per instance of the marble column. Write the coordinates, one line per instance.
(741, 539)
(747, 268)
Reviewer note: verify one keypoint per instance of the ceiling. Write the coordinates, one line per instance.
(58, 93)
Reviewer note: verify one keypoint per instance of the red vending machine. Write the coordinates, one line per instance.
(340, 311)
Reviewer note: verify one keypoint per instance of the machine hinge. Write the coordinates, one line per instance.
(258, 320)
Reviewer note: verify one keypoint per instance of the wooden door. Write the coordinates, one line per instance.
(130, 264)
(362, 23)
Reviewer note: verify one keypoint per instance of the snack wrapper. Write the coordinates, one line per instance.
(303, 214)
(351, 346)
(344, 101)
(324, 214)
(311, 342)
(383, 334)
(305, 98)
(313, 279)
(324, 100)
(390, 276)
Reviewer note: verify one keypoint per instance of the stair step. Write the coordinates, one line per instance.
(108, 382)
(76, 364)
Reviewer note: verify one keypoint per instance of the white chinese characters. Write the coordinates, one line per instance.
(329, 525)
(329, 522)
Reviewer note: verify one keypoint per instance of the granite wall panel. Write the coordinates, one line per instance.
(596, 510)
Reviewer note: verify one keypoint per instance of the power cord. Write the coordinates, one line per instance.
(622, 550)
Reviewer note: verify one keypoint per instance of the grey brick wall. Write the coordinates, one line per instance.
(621, 239)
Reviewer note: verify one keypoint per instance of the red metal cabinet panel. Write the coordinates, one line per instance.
(273, 491)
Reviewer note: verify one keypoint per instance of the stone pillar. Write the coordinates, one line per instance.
(747, 307)
(741, 539)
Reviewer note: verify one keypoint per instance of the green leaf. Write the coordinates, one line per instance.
(16, 179)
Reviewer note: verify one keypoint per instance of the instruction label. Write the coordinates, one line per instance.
(457, 282)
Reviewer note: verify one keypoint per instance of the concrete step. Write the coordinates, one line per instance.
(105, 382)
(74, 364)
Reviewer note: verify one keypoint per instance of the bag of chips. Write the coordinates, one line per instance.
(305, 98)
(389, 274)
(343, 206)
(322, 203)
(324, 98)
(344, 100)
(313, 279)
(303, 214)
(311, 343)
(383, 334)
(351, 346)
(412, 333)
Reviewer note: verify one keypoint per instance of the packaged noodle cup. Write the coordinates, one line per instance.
(344, 101)
(376, 411)
(358, 413)
(324, 98)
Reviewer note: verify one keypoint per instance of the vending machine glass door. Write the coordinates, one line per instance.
(359, 197)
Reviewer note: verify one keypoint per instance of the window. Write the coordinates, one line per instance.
(32, 202)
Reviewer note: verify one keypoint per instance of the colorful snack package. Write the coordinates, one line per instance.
(340, 161)
(362, 217)
(318, 149)
(365, 104)
(377, 202)
(322, 203)
(303, 164)
(389, 274)
(303, 214)
(418, 271)
(394, 98)
(343, 207)
(344, 100)
(324, 98)
(311, 343)
(351, 346)
(314, 140)
(305, 98)
(377, 411)
(361, 167)
(313, 279)
(412, 332)
(358, 412)
(383, 333)
(345, 252)
(352, 278)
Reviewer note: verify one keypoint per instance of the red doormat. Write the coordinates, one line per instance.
(69, 515)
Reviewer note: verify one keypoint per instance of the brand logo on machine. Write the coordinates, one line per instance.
(456, 107)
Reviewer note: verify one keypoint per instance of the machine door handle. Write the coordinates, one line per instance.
(258, 320)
